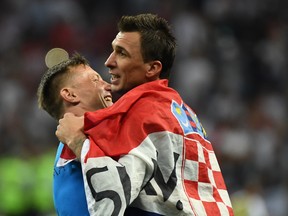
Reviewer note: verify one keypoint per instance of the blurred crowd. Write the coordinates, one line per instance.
(231, 68)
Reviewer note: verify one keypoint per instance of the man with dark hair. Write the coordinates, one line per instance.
(71, 86)
(153, 156)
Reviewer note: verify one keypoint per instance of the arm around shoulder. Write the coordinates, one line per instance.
(70, 131)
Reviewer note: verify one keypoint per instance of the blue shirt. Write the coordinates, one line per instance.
(68, 188)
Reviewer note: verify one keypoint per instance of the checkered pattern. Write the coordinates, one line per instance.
(162, 126)
(203, 179)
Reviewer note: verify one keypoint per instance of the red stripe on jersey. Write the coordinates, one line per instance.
(67, 153)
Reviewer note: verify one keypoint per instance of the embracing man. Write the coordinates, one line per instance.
(148, 151)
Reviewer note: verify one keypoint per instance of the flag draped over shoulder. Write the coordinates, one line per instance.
(109, 130)
(150, 153)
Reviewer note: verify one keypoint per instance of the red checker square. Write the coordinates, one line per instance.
(219, 181)
(216, 195)
(230, 211)
(203, 173)
(191, 150)
(211, 208)
(207, 159)
(192, 189)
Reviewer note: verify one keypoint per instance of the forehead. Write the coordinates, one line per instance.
(127, 40)
(84, 70)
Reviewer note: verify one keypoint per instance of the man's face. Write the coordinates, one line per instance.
(93, 92)
(125, 63)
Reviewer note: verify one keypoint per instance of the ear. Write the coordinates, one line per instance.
(69, 95)
(154, 69)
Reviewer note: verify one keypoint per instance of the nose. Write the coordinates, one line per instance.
(107, 86)
(110, 62)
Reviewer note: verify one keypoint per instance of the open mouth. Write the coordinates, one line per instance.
(106, 100)
(114, 77)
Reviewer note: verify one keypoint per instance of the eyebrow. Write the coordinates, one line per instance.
(114, 46)
(117, 47)
(98, 76)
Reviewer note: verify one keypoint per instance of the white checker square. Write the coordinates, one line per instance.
(213, 161)
(191, 170)
(205, 192)
(201, 157)
(223, 209)
(198, 205)
(211, 177)
(225, 197)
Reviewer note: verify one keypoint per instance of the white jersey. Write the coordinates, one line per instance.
(149, 155)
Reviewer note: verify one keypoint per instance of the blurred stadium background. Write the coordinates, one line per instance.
(231, 68)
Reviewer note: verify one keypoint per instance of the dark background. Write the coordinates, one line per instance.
(231, 68)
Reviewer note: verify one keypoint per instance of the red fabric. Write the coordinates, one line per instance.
(67, 153)
(107, 128)
(152, 108)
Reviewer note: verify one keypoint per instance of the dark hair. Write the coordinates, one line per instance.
(157, 41)
(51, 82)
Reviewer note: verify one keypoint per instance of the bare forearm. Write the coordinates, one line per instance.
(76, 145)
(70, 131)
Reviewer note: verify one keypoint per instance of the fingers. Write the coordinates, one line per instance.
(57, 132)
(66, 115)
(69, 126)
